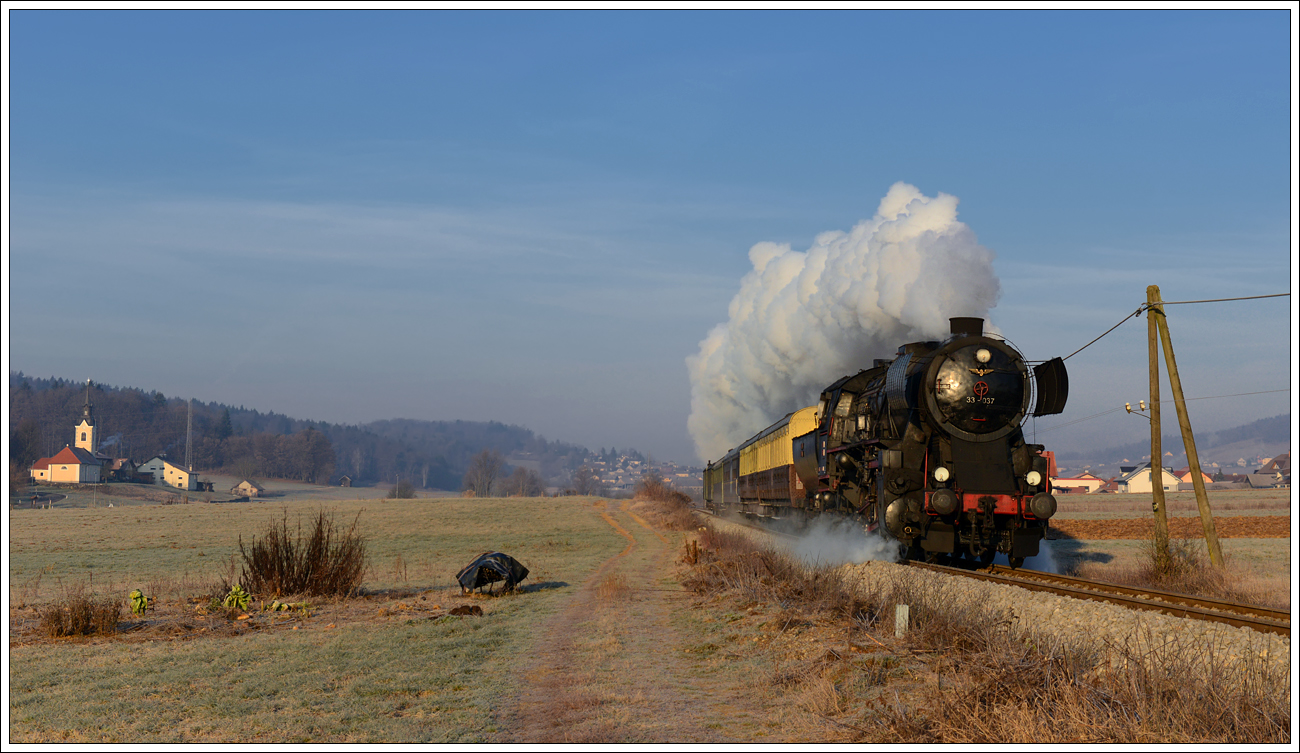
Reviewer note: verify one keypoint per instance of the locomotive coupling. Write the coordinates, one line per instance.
(1042, 505)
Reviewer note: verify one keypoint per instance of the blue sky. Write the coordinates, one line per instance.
(535, 217)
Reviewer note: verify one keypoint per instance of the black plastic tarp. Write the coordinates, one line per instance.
(491, 567)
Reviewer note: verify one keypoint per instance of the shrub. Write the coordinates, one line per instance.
(403, 490)
(329, 561)
(653, 486)
(81, 615)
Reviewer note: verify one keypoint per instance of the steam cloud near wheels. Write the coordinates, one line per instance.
(803, 319)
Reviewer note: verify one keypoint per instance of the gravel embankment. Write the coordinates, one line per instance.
(1082, 623)
(1076, 621)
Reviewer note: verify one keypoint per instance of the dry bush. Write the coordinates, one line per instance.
(1188, 570)
(669, 514)
(652, 486)
(613, 587)
(733, 562)
(939, 618)
(1001, 683)
(328, 561)
(20, 594)
(1025, 689)
(79, 614)
(822, 696)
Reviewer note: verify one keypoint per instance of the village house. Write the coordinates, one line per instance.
(71, 465)
(1263, 480)
(247, 488)
(1185, 476)
(170, 474)
(1279, 468)
(1084, 483)
(1137, 480)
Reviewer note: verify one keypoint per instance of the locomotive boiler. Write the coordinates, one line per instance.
(925, 448)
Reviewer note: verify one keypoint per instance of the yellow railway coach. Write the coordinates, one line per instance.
(760, 473)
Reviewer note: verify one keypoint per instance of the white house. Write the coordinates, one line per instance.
(164, 472)
(1138, 480)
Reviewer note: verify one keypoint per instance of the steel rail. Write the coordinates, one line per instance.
(1178, 605)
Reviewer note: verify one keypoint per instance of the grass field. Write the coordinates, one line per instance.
(602, 644)
(374, 672)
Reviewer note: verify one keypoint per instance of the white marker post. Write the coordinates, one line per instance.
(901, 618)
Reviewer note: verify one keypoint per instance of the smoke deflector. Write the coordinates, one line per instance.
(1053, 387)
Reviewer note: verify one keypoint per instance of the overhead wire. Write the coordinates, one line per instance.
(1184, 400)
(1148, 305)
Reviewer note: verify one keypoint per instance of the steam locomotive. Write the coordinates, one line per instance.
(925, 448)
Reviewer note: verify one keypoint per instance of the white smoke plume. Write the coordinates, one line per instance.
(803, 319)
(830, 540)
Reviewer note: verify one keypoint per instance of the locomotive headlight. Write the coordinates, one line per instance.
(941, 474)
(983, 355)
(1033, 478)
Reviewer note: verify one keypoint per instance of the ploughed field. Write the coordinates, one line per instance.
(1255, 527)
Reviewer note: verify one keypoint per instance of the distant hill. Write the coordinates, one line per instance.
(1267, 437)
(140, 424)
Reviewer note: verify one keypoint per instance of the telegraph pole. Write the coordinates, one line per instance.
(1157, 452)
(189, 462)
(1184, 423)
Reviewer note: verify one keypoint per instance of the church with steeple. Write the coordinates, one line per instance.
(80, 462)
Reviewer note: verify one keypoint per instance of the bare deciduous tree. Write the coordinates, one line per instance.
(483, 471)
(523, 483)
(585, 482)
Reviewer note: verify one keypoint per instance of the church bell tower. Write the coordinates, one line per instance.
(87, 437)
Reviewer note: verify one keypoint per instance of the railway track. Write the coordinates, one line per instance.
(1179, 605)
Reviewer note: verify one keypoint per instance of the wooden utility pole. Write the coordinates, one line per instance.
(1157, 452)
(1184, 423)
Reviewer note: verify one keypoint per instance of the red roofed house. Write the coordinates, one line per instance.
(71, 465)
(1185, 476)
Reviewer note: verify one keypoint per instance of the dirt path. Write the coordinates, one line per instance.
(609, 667)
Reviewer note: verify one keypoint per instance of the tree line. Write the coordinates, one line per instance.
(140, 424)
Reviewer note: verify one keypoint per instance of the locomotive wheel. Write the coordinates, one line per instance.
(1016, 562)
(986, 556)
